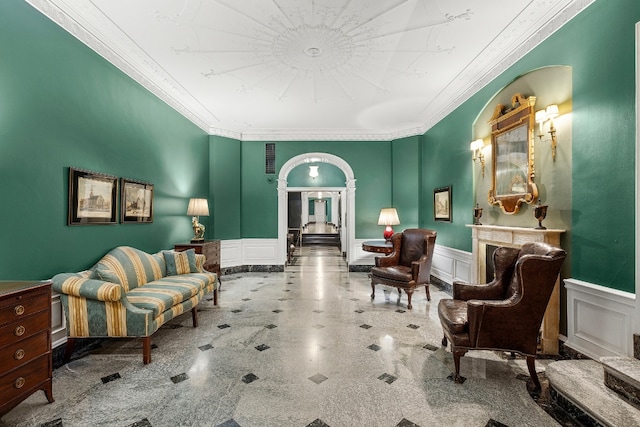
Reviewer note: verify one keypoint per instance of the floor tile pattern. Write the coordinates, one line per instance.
(393, 373)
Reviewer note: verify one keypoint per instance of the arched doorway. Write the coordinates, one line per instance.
(348, 206)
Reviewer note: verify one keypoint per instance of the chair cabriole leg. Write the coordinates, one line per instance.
(531, 364)
(457, 354)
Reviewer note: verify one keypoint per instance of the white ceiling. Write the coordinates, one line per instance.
(312, 69)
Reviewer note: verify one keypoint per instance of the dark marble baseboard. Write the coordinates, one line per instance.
(359, 268)
(252, 269)
(82, 347)
(442, 285)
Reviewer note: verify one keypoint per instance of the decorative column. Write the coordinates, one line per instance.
(283, 227)
(349, 226)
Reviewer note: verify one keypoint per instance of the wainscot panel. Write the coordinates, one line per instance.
(599, 319)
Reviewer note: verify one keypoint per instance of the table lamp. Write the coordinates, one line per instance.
(388, 217)
(198, 207)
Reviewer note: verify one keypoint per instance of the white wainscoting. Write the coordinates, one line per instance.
(451, 264)
(599, 319)
(236, 253)
(230, 253)
(58, 322)
(259, 251)
(360, 257)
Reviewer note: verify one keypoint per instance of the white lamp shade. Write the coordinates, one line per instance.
(388, 216)
(552, 111)
(198, 207)
(476, 145)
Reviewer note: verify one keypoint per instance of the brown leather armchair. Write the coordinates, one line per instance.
(409, 265)
(506, 313)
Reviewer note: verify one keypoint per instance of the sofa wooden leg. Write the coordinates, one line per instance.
(428, 293)
(215, 297)
(146, 350)
(373, 291)
(194, 316)
(531, 364)
(68, 349)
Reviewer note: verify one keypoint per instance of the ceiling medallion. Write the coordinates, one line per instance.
(313, 48)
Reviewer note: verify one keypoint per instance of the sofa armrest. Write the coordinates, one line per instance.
(78, 286)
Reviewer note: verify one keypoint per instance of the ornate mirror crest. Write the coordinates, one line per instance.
(512, 148)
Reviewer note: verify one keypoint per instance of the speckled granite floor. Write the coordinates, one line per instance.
(306, 347)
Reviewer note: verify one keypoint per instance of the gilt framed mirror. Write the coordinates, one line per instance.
(513, 160)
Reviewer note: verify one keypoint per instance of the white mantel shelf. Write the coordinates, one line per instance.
(498, 235)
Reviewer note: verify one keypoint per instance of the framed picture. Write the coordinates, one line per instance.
(442, 204)
(137, 201)
(92, 198)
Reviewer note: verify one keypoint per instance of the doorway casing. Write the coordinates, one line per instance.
(348, 199)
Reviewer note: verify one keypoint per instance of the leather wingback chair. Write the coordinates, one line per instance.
(409, 265)
(506, 313)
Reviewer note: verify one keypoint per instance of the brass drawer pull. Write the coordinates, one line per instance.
(19, 354)
(19, 383)
(19, 310)
(19, 331)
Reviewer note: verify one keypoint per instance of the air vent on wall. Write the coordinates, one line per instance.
(270, 158)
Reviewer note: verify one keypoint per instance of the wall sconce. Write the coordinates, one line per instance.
(313, 171)
(550, 113)
(476, 148)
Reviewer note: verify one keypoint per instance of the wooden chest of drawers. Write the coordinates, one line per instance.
(25, 342)
(210, 249)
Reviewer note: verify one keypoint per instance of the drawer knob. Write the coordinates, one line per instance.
(19, 310)
(19, 383)
(19, 331)
(19, 354)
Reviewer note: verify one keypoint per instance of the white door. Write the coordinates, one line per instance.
(319, 208)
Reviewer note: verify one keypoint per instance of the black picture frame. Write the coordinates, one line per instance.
(92, 198)
(442, 204)
(136, 201)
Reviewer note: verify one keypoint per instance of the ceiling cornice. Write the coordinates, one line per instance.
(141, 68)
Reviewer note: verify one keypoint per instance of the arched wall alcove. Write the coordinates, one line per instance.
(550, 85)
(348, 198)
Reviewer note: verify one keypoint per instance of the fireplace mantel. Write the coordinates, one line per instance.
(515, 237)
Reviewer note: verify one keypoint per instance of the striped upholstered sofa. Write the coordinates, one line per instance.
(130, 293)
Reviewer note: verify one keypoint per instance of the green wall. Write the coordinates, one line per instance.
(225, 188)
(81, 111)
(446, 161)
(406, 169)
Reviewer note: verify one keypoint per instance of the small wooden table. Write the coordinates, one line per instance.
(377, 246)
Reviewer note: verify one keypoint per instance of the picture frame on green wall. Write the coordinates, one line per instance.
(136, 204)
(92, 198)
(442, 204)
